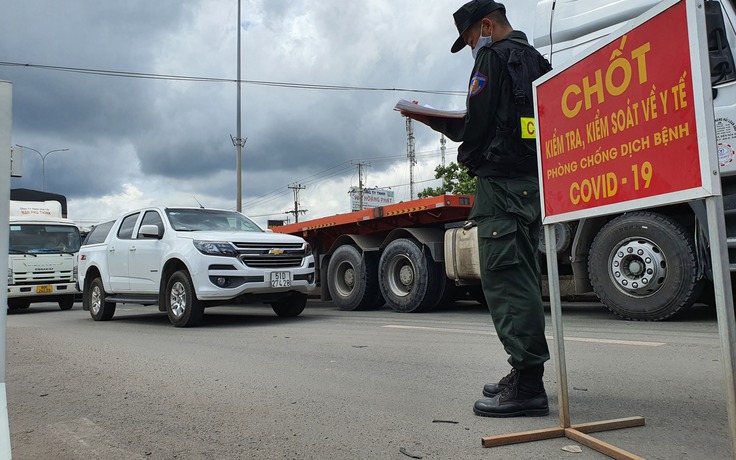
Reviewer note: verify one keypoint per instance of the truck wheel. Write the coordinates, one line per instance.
(409, 278)
(182, 305)
(67, 302)
(290, 306)
(476, 293)
(95, 299)
(17, 304)
(352, 280)
(643, 267)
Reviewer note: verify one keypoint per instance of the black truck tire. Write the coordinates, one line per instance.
(95, 300)
(290, 306)
(409, 279)
(67, 302)
(643, 267)
(352, 279)
(18, 304)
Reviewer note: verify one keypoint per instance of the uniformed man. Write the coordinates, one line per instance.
(507, 208)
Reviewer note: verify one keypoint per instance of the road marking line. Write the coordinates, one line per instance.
(549, 337)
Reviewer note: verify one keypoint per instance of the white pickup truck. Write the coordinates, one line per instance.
(186, 259)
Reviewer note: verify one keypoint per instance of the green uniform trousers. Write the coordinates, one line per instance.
(508, 215)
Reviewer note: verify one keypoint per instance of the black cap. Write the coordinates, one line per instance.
(469, 14)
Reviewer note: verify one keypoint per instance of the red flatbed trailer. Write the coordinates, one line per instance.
(391, 254)
(432, 211)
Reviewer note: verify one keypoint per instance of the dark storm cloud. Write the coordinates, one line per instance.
(93, 116)
(133, 139)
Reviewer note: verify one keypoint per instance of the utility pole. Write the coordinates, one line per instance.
(411, 154)
(238, 141)
(296, 188)
(360, 182)
(443, 147)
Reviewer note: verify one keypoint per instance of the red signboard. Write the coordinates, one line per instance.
(620, 124)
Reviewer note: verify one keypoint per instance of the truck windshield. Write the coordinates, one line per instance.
(195, 220)
(39, 238)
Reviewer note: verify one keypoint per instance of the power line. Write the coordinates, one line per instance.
(171, 77)
(334, 171)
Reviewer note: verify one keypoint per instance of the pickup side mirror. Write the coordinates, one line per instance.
(151, 231)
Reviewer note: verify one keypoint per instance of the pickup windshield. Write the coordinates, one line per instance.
(39, 238)
(195, 220)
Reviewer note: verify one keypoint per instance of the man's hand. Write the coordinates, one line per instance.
(420, 118)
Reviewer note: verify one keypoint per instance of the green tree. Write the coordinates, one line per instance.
(455, 181)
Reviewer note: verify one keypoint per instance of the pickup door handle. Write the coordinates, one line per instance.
(111, 249)
(132, 248)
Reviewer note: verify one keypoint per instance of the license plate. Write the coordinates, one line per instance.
(280, 279)
(44, 289)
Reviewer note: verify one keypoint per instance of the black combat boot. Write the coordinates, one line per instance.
(492, 389)
(523, 395)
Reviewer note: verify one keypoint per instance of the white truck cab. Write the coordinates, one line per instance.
(42, 255)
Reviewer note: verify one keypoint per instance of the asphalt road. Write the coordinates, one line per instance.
(345, 385)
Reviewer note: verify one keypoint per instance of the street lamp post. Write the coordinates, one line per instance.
(43, 162)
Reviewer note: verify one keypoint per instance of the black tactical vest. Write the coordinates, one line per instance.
(514, 148)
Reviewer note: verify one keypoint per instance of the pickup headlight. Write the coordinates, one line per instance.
(216, 248)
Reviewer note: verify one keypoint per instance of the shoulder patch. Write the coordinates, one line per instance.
(477, 84)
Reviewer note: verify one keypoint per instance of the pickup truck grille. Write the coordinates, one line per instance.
(268, 255)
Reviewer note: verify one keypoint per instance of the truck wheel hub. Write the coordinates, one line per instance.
(401, 275)
(406, 275)
(349, 277)
(345, 279)
(638, 267)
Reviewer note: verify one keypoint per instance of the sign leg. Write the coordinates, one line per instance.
(559, 338)
(724, 304)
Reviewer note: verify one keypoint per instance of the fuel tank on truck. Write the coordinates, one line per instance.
(461, 254)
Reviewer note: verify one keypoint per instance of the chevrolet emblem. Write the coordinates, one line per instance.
(276, 252)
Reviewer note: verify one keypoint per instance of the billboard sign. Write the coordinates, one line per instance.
(630, 124)
(372, 198)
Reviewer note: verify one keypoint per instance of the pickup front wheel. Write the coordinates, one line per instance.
(182, 305)
(95, 301)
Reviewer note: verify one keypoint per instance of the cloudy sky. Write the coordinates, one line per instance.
(136, 142)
